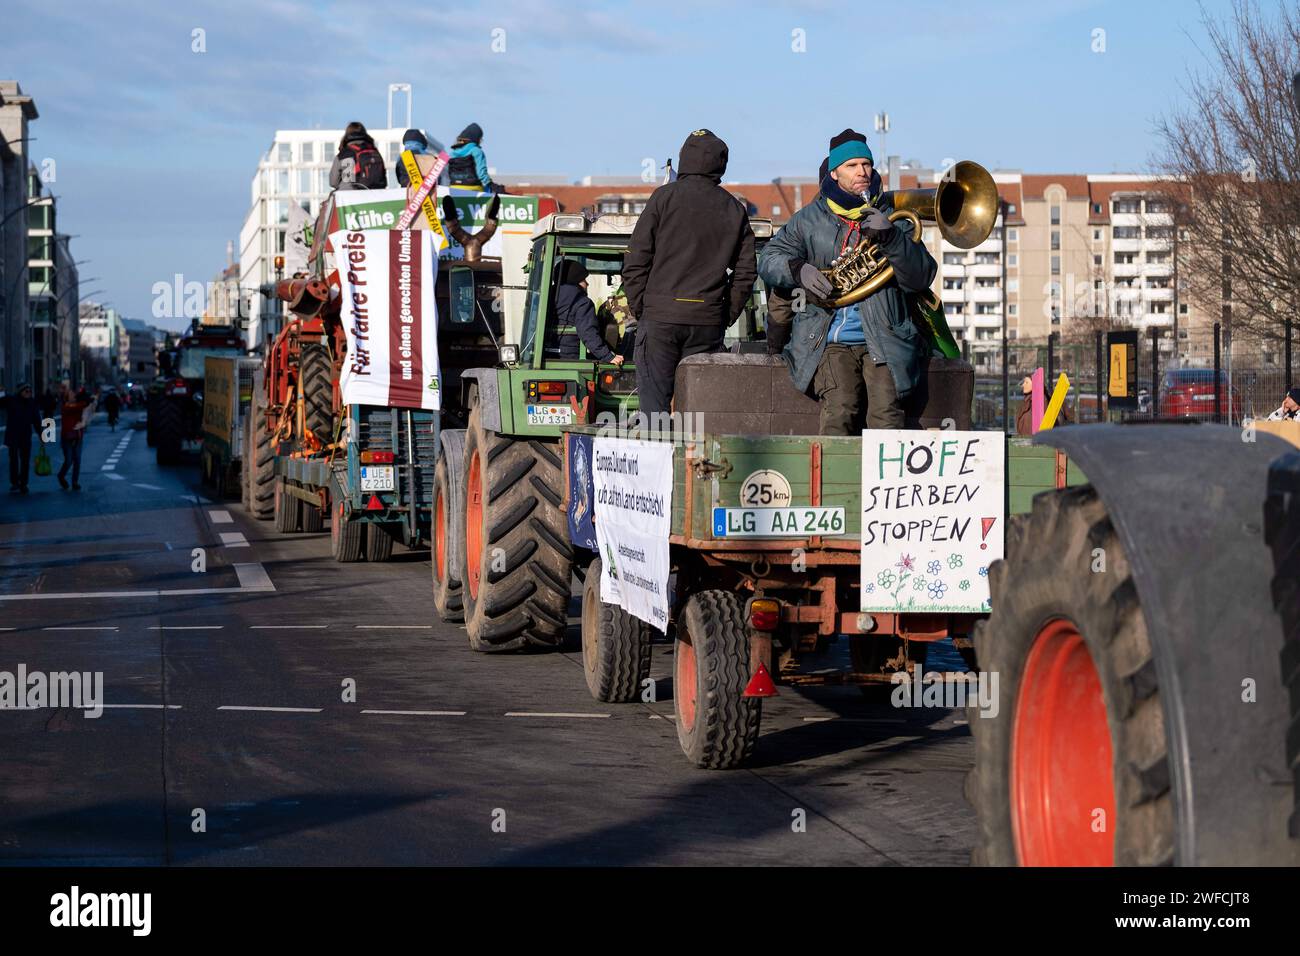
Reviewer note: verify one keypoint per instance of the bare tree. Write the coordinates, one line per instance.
(1231, 162)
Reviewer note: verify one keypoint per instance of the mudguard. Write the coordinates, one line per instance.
(1187, 503)
(489, 399)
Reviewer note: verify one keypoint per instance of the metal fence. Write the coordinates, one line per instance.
(1211, 377)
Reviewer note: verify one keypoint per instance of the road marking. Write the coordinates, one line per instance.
(96, 628)
(221, 517)
(106, 468)
(522, 713)
(393, 627)
(233, 539)
(273, 710)
(140, 484)
(186, 627)
(418, 713)
(141, 706)
(115, 476)
(856, 720)
(252, 577)
(285, 627)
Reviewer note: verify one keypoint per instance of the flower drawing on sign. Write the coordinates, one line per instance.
(954, 560)
(885, 579)
(919, 584)
(905, 563)
(984, 571)
(933, 567)
(937, 590)
(965, 585)
(870, 588)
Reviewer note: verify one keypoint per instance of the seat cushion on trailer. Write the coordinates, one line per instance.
(748, 394)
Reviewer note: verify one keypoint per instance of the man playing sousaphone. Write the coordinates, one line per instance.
(872, 344)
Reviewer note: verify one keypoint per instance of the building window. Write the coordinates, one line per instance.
(986, 258)
(1157, 282)
(953, 283)
(1096, 235)
(1158, 258)
(1126, 205)
(308, 152)
(1125, 258)
(953, 308)
(776, 210)
(1126, 232)
(1182, 308)
(608, 206)
(1157, 206)
(1013, 235)
(1160, 232)
(1011, 209)
(1056, 265)
(1096, 260)
(1056, 215)
(326, 151)
(1012, 309)
(1056, 239)
(1013, 259)
(281, 181)
(304, 180)
(1013, 285)
(1096, 211)
(638, 207)
(954, 258)
(283, 153)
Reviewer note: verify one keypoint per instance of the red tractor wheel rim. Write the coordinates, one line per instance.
(336, 526)
(684, 684)
(474, 524)
(439, 534)
(1062, 781)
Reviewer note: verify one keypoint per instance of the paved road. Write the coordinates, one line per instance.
(227, 697)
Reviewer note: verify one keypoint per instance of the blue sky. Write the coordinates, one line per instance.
(156, 145)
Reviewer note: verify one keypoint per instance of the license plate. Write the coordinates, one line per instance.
(550, 415)
(1202, 398)
(776, 522)
(376, 477)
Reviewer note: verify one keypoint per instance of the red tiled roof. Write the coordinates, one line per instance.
(1035, 184)
(761, 197)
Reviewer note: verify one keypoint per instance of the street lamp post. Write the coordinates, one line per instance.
(1006, 351)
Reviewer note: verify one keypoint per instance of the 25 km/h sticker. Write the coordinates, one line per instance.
(765, 489)
(776, 522)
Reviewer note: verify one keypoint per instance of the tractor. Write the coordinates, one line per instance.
(175, 411)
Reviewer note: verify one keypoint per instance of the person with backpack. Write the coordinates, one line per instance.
(468, 166)
(358, 164)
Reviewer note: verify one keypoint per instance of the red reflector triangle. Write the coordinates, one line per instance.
(374, 504)
(760, 685)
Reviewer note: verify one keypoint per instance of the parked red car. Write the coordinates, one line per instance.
(1189, 393)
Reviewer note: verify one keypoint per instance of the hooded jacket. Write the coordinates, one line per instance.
(468, 164)
(341, 170)
(815, 235)
(24, 419)
(690, 234)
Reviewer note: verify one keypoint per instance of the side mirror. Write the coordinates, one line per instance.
(461, 291)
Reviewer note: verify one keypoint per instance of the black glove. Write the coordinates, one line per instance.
(778, 334)
(816, 284)
(876, 226)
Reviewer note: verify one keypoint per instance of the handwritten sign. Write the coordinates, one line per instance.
(932, 519)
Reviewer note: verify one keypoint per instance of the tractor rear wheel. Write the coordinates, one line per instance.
(448, 544)
(169, 433)
(615, 645)
(151, 420)
(518, 561)
(288, 509)
(1072, 769)
(347, 537)
(316, 371)
(379, 542)
(312, 517)
(261, 466)
(716, 724)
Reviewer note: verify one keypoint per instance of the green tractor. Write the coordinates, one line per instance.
(502, 561)
(175, 410)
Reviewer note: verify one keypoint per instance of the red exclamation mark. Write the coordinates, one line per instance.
(987, 523)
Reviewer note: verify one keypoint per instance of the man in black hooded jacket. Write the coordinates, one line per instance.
(689, 268)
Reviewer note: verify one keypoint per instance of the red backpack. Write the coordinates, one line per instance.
(368, 166)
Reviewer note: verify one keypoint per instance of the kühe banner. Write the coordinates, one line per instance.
(386, 279)
(633, 484)
(933, 519)
(356, 209)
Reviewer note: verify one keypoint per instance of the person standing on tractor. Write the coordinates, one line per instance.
(23, 418)
(358, 164)
(76, 412)
(468, 166)
(417, 143)
(575, 320)
(689, 268)
(872, 344)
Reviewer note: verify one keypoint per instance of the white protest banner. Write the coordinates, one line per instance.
(633, 482)
(386, 278)
(933, 519)
(297, 240)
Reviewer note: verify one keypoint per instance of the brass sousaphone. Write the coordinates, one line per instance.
(964, 206)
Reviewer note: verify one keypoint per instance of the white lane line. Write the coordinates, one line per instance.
(856, 720)
(273, 710)
(96, 628)
(287, 627)
(393, 627)
(252, 577)
(107, 468)
(233, 539)
(186, 627)
(115, 476)
(141, 706)
(418, 713)
(221, 517)
(140, 484)
(522, 713)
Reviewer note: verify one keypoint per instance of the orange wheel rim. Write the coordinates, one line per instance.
(474, 525)
(684, 683)
(1062, 780)
(439, 535)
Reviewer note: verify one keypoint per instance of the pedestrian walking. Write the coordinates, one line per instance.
(23, 418)
(75, 412)
(112, 405)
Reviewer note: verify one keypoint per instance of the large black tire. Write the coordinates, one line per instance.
(151, 421)
(288, 509)
(311, 517)
(347, 538)
(1282, 534)
(518, 560)
(716, 724)
(169, 432)
(316, 372)
(447, 544)
(261, 487)
(615, 645)
(1091, 625)
(379, 542)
